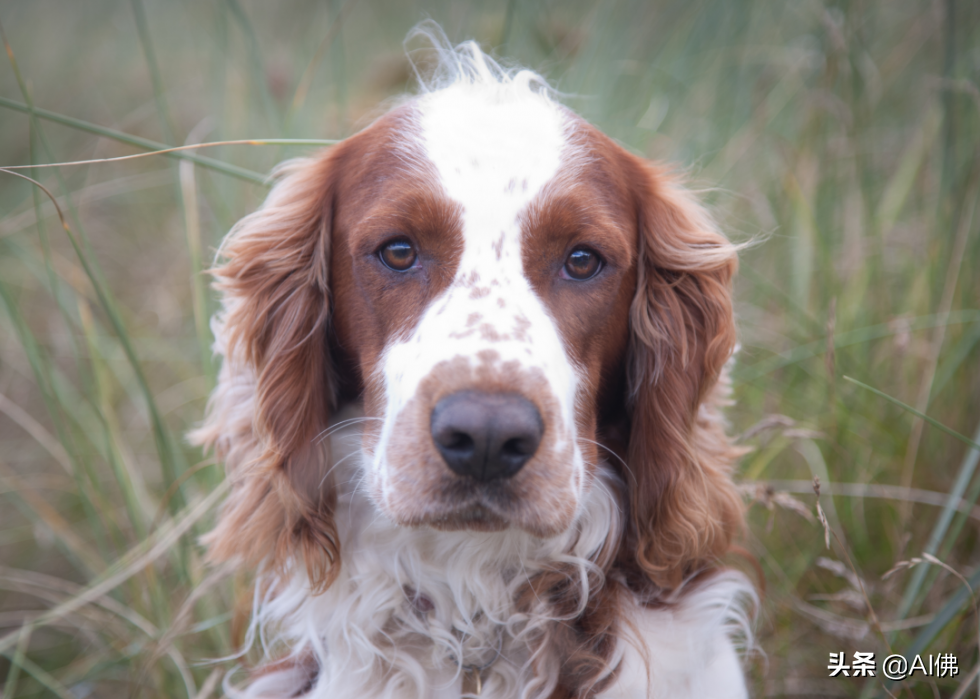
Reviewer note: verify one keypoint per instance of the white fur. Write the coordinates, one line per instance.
(371, 643)
(688, 648)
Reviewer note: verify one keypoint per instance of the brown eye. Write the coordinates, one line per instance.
(398, 255)
(582, 264)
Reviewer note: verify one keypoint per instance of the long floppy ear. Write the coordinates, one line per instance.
(684, 507)
(275, 388)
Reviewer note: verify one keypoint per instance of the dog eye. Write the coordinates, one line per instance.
(582, 264)
(398, 255)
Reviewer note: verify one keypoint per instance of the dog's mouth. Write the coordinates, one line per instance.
(464, 504)
(476, 518)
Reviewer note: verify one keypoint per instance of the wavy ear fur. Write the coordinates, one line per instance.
(275, 388)
(684, 507)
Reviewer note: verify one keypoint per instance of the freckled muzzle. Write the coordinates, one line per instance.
(480, 445)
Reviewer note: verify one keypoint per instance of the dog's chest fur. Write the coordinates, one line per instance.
(409, 603)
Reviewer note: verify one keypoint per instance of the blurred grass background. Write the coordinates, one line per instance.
(841, 136)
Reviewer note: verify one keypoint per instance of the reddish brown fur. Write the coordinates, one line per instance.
(279, 275)
(685, 509)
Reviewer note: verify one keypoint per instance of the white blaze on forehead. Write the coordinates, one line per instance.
(494, 147)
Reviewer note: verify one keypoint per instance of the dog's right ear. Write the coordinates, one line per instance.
(684, 508)
(275, 389)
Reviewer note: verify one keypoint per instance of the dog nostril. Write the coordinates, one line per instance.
(518, 447)
(486, 436)
(458, 442)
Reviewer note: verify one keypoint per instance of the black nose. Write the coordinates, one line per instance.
(486, 435)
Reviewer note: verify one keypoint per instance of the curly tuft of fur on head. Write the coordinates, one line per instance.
(440, 65)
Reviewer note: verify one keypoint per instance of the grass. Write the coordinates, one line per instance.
(843, 138)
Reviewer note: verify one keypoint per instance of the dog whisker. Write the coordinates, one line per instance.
(328, 432)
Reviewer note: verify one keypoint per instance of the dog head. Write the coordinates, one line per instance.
(515, 298)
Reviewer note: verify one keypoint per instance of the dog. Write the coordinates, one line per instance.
(474, 361)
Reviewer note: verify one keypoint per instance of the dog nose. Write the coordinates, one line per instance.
(486, 435)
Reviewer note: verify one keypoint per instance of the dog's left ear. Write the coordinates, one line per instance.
(275, 392)
(684, 506)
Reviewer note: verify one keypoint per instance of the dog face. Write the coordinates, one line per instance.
(514, 297)
(483, 289)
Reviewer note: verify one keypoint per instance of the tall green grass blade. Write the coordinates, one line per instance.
(797, 313)
(171, 459)
(42, 235)
(123, 471)
(943, 617)
(16, 663)
(166, 123)
(935, 423)
(144, 143)
(848, 338)
(46, 680)
(972, 496)
(804, 242)
(186, 196)
(899, 187)
(306, 81)
(955, 359)
(44, 377)
(180, 149)
(199, 289)
(257, 70)
(754, 468)
(338, 55)
(963, 477)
